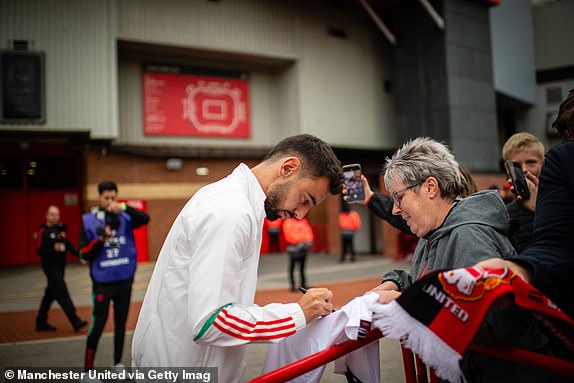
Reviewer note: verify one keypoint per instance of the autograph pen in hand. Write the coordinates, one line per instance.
(304, 290)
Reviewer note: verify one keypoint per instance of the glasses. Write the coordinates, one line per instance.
(396, 194)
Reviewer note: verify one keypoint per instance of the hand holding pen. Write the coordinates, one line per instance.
(316, 302)
(304, 291)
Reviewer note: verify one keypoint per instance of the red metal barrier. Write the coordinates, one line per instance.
(311, 362)
(422, 374)
(318, 359)
(409, 365)
(529, 358)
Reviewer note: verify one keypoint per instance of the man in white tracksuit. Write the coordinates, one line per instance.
(199, 306)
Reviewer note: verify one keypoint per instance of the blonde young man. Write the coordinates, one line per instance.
(527, 150)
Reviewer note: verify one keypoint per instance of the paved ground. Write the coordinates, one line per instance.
(21, 290)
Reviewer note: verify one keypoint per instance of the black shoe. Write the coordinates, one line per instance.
(79, 324)
(293, 288)
(45, 327)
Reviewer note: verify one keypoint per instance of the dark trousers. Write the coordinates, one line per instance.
(347, 247)
(297, 257)
(56, 291)
(120, 293)
(274, 242)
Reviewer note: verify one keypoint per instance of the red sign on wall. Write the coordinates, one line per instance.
(190, 105)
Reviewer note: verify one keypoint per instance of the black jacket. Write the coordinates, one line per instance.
(382, 206)
(550, 257)
(521, 226)
(46, 238)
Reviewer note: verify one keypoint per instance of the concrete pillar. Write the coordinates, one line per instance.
(443, 82)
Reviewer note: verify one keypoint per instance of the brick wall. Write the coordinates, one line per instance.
(166, 191)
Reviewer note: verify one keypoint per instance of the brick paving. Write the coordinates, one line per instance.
(21, 290)
(20, 326)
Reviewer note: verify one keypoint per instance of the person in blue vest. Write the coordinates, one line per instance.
(107, 244)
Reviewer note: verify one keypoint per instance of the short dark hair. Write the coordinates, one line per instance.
(564, 122)
(317, 158)
(107, 185)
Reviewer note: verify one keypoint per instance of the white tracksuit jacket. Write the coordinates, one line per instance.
(198, 310)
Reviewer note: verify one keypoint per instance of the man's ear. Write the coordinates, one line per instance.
(432, 187)
(289, 166)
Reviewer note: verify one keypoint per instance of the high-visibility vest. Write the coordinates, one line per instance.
(349, 221)
(296, 231)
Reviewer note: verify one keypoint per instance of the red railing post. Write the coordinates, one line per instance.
(318, 359)
(409, 365)
(311, 362)
(529, 358)
(422, 375)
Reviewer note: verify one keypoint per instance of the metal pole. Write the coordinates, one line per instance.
(299, 367)
(438, 20)
(386, 31)
(529, 358)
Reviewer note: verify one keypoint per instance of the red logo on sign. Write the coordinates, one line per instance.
(178, 104)
(214, 107)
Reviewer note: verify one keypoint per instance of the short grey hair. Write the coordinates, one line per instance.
(422, 158)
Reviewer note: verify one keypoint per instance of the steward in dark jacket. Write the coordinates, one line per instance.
(52, 246)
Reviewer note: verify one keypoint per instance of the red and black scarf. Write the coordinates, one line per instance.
(439, 315)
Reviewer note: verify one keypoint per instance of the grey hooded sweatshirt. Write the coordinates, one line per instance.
(474, 230)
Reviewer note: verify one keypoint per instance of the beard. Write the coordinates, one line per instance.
(275, 200)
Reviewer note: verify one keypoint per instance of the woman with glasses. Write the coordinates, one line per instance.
(426, 185)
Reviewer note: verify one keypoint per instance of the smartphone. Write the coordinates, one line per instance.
(514, 171)
(354, 183)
